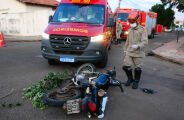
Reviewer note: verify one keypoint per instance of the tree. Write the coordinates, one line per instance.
(179, 4)
(165, 16)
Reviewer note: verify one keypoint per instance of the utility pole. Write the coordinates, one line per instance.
(119, 3)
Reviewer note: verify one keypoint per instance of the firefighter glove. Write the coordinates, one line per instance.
(135, 46)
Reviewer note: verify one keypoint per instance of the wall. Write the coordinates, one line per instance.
(11, 6)
(39, 18)
(24, 19)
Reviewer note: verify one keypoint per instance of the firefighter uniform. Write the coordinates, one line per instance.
(134, 57)
(118, 30)
(134, 53)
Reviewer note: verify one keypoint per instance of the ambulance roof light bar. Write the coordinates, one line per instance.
(84, 1)
(125, 8)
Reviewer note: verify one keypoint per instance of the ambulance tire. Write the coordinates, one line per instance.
(153, 35)
(109, 47)
(52, 62)
(103, 62)
(149, 36)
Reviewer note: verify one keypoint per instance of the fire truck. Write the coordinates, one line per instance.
(122, 15)
(147, 19)
(79, 31)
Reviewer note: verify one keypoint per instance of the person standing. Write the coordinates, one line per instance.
(118, 30)
(134, 50)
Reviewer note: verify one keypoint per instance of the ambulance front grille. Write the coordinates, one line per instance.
(64, 42)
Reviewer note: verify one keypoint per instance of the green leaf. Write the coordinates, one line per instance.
(18, 104)
(3, 104)
(36, 91)
(10, 105)
(43, 107)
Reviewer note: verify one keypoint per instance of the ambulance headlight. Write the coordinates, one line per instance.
(126, 33)
(45, 36)
(98, 38)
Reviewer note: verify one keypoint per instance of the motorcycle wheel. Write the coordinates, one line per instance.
(88, 67)
(58, 96)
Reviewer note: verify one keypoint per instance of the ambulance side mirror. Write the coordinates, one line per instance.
(111, 22)
(50, 18)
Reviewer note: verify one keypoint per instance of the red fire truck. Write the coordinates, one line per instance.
(79, 31)
(122, 15)
(147, 19)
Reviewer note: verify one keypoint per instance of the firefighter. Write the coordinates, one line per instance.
(134, 50)
(118, 30)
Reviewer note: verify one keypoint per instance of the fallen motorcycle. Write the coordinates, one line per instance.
(87, 91)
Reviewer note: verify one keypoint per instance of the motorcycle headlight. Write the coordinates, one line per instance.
(87, 90)
(45, 36)
(98, 38)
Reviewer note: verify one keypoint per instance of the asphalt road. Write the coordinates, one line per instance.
(21, 65)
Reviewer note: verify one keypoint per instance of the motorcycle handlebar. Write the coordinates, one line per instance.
(118, 83)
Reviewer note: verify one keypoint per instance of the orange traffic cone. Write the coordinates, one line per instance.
(3, 37)
(1, 43)
(1, 40)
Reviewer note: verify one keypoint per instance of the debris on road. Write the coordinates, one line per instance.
(3, 104)
(151, 53)
(36, 91)
(18, 104)
(12, 90)
(10, 105)
(149, 91)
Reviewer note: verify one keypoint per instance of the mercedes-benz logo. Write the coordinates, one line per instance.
(67, 41)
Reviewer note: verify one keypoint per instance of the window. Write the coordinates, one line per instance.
(123, 16)
(80, 13)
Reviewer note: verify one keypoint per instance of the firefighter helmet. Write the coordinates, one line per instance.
(133, 17)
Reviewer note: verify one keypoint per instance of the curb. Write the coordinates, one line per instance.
(168, 59)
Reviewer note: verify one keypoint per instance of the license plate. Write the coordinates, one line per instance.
(66, 59)
(73, 106)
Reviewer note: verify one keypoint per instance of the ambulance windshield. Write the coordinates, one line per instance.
(123, 16)
(80, 13)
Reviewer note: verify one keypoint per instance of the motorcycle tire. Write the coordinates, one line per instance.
(48, 97)
(103, 63)
(89, 67)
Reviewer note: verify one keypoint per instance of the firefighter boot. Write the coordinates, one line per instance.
(137, 73)
(129, 74)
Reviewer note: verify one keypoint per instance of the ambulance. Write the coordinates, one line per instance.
(79, 31)
(147, 19)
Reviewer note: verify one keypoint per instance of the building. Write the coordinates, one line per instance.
(25, 17)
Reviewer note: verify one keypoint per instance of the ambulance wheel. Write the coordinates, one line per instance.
(52, 62)
(103, 62)
(153, 34)
(149, 36)
(109, 47)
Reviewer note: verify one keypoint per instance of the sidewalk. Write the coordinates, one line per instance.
(22, 38)
(172, 51)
